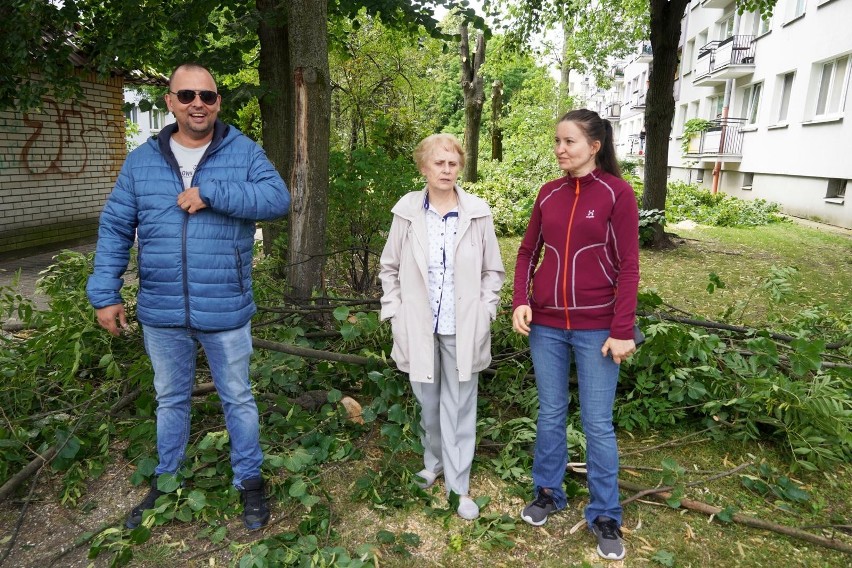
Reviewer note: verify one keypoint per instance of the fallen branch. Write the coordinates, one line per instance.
(668, 489)
(743, 519)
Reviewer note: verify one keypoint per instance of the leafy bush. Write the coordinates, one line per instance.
(363, 188)
(721, 210)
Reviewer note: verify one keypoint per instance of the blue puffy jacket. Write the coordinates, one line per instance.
(194, 270)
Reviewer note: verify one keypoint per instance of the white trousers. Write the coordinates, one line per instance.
(448, 418)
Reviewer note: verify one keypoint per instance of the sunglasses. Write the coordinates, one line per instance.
(186, 96)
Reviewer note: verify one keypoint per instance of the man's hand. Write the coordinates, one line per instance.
(620, 349)
(190, 201)
(521, 318)
(107, 318)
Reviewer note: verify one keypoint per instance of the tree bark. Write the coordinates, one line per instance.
(311, 112)
(473, 89)
(660, 105)
(496, 112)
(275, 102)
(565, 66)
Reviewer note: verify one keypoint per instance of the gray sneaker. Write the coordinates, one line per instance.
(536, 512)
(609, 535)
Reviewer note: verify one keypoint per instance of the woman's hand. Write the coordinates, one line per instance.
(521, 318)
(620, 349)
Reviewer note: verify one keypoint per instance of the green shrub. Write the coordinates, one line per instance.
(721, 210)
(363, 187)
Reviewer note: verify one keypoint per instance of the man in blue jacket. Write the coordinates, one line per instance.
(190, 197)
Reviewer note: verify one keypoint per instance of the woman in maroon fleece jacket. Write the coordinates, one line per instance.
(579, 304)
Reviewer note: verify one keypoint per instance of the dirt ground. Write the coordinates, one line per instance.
(50, 533)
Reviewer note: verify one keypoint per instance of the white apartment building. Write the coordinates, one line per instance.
(784, 136)
(625, 106)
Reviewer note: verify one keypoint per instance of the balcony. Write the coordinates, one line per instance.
(637, 101)
(645, 54)
(613, 111)
(719, 61)
(722, 141)
(617, 72)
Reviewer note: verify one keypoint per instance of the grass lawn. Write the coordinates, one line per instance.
(425, 532)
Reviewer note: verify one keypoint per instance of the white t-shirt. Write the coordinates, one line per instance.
(187, 159)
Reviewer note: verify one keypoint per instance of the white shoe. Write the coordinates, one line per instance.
(428, 478)
(468, 509)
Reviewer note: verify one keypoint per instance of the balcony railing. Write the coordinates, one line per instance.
(724, 139)
(645, 53)
(727, 59)
(613, 110)
(637, 101)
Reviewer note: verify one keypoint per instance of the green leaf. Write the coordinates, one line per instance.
(340, 313)
(664, 557)
(196, 499)
(334, 396)
(218, 535)
(298, 488)
(167, 483)
(140, 534)
(726, 515)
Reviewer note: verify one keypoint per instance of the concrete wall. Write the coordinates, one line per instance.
(57, 166)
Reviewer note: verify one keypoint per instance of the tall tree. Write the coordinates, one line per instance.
(610, 28)
(473, 88)
(660, 105)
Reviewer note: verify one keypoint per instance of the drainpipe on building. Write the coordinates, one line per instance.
(726, 101)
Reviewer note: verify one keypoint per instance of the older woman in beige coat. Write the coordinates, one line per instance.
(441, 274)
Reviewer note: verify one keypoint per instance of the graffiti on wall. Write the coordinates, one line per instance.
(72, 140)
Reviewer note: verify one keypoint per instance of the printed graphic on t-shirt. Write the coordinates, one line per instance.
(187, 159)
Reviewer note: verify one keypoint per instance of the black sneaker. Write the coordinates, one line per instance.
(255, 511)
(609, 535)
(135, 517)
(536, 513)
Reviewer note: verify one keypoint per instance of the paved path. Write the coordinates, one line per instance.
(27, 270)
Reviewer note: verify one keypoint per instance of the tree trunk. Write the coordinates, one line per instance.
(565, 67)
(473, 89)
(275, 103)
(665, 35)
(496, 112)
(311, 112)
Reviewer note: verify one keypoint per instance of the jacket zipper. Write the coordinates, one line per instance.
(567, 242)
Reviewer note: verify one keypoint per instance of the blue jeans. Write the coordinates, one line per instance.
(173, 353)
(552, 350)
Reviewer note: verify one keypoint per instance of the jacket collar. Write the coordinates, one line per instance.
(470, 207)
(220, 131)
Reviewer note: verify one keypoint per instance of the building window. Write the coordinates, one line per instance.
(726, 27)
(715, 106)
(797, 8)
(699, 176)
(751, 102)
(688, 56)
(760, 25)
(836, 191)
(748, 179)
(832, 78)
(783, 92)
(132, 114)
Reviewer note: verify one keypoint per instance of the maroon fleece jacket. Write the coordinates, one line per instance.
(589, 276)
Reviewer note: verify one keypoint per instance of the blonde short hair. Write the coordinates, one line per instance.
(446, 141)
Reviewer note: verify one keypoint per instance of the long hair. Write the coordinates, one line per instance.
(596, 129)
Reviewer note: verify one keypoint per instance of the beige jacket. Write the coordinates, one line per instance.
(479, 275)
